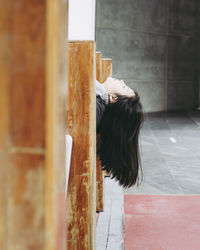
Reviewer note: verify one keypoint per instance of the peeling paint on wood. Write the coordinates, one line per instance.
(81, 201)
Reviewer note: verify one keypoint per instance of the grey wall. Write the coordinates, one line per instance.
(154, 47)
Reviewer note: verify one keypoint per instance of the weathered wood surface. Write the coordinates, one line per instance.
(55, 125)
(106, 68)
(106, 72)
(81, 125)
(99, 172)
(5, 61)
(99, 66)
(31, 184)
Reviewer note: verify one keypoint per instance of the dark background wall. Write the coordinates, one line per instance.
(154, 47)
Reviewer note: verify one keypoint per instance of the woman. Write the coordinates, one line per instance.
(119, 116)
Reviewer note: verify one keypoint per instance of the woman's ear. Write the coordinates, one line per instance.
(112, 98)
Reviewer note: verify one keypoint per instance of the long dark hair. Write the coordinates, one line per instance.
(118, 140)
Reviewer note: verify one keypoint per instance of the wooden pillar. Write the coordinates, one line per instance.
(106, 68)
(55, 126)
(32, 126)
(99, 172)
(99, 66)
(106, 72)
(81, 123)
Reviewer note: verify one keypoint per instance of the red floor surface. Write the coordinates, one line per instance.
(155, 222)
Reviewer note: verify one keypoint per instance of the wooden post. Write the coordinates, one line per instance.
(99, 66)
(32, 126)
(106, 72)
(81, 125)
(55, 126)
(99, 172)
(106, 68)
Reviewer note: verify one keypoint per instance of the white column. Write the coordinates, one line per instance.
(81, 23)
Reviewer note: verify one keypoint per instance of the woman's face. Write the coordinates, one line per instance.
(117, 87)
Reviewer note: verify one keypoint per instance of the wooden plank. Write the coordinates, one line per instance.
(99, 66)
(5, 69)
(81, 125)
(99, 172)
(56, 96)
(106, 72)
(25, 85)
(25, 216)
(106, 68)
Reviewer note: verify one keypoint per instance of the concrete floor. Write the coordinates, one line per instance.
(110, 223)
(163, 212)
(170, 154)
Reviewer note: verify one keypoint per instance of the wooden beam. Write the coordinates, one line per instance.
(81, 125)
(99, 172)
(5, 71)
(106, 68)
(106, 72)
(29, 182)
(55, 124)
(99, 66)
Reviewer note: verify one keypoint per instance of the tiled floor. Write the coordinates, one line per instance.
(170, 154)
(110, 224)
(163, 213)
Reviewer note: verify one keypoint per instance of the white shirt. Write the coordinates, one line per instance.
(100, 90)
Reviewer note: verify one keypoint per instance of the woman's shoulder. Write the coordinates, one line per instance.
(101, 91)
